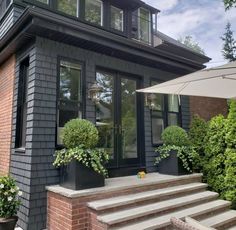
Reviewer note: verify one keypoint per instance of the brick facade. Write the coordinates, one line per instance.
(207, 107)
(7, 73)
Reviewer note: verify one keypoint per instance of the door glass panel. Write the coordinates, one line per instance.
(128, 119)
(105, 112)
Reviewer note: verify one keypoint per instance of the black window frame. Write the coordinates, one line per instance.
(165, 113)
(82, 103)
(22, 103)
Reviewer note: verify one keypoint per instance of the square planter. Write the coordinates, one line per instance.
(172, 165)
(77, 176)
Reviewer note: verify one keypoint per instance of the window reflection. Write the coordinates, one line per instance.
(94, 11)
(117, 18)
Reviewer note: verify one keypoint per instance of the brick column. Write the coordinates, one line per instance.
(7, 73)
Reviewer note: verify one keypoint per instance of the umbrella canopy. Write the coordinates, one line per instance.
(219, 82)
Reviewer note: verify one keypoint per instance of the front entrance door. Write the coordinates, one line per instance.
(118, 120)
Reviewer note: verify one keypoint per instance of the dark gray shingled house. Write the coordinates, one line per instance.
(51, 53)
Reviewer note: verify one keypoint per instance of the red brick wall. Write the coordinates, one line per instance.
(207, 107)
(7, 73)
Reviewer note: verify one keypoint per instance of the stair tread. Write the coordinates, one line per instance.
(127, 214)
(220, 219)
(142, 196)
(164, 220)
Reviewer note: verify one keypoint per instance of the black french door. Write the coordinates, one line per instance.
(119, 119)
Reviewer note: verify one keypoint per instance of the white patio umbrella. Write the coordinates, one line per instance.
(219, 82)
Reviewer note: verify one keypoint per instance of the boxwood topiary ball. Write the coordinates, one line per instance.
(174, 135)
(80, 132)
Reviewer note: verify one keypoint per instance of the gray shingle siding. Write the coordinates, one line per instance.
(33, 168)
(9, 20)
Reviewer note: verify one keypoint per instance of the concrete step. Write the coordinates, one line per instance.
(220, 220)
(115, 202)
(155, 208)
(232, 228)
(163, 221)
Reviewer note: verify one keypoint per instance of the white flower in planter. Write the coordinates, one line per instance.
(20, 193)
(10, 198)
(1, 185)
(12, 190)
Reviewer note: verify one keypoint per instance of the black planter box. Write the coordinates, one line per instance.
(172, 165)
(77, 176)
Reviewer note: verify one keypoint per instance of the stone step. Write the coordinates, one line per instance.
(155, 208)
(232, 228)
(220, 220)
(163, 221)
(115, 202)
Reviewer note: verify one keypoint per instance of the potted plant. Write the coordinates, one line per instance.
(176, 155)
(81, 163)
(9, 203)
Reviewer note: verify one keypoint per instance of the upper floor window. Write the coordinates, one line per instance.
(144, 25)
(117, 18)
(141, 25)
(94, 11)
(68, 6)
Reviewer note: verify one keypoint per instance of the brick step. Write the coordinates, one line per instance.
(163, 222)
(119, 217)
(106, 205)
(221, 220)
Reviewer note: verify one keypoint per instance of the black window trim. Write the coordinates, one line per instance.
(165, 112)
(83, 89)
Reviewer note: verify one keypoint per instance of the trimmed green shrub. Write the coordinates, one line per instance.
(176, 139)
(174, 135)
(214, 160)
(197, 134)
(230, 176)
(79, 132)
(230, 128)
(80, 138)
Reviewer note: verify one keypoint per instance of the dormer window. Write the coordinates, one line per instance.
(145, 25)
(68, 6)
(141, 25)
(94, 11)
(117, 18)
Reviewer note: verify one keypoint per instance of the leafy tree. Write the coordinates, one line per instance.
(229, 4)
(189, 42)
(229, 47)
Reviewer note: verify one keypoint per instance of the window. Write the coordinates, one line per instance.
(94, 11)
(22, 105)
(70, 94)
(43, 1)
(165, 113)
(117, 18)
(144, 29)
(68, 6)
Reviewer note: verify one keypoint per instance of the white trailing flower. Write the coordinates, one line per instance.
(1, 185)
(12, 190)
(10, 198)
(20, 193)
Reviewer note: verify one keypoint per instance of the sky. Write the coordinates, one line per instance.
(204, 20)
